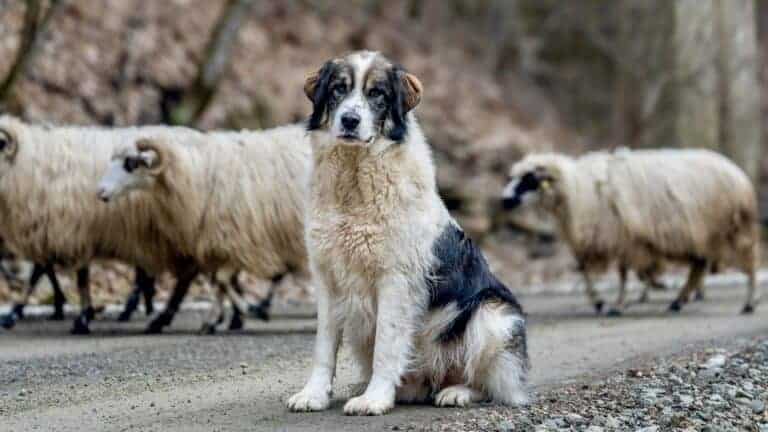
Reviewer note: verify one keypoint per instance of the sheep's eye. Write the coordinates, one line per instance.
(3, 143)
(375, 93)
(130, 164)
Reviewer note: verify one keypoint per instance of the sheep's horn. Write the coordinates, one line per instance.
(149, 144)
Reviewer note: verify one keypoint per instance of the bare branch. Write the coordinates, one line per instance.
(32, 35)
(217, 54)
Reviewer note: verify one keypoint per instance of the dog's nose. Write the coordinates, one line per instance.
(350, 121)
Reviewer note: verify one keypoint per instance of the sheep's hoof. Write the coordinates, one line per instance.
(149, 308)
(8, 321)
(125, 316)
(80, 326)
(699, 296)
(18, 310)
(157, 325)
(57, 315)
(259, 312)
(236, 323)
(614, 312)
(748, 309)
(599, 306)
(675, 306)
(208, 329)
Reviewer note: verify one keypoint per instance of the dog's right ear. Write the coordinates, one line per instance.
(316, 89)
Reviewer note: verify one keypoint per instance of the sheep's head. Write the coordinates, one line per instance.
(132, 168)
(535, 180)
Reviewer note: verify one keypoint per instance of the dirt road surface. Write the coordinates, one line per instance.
(120, 380)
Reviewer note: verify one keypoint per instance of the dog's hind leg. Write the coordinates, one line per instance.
(502, 373)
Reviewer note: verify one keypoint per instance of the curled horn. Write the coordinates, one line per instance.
(161, 154)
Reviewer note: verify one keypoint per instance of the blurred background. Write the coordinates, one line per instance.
(501, 77)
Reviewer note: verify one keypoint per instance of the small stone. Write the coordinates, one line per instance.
(506, 426)
(575, 419)
(757, 406)
(648, 429)
(151, 404)
(594, 428)
(716, 361)
(243, 365)
(612, 422)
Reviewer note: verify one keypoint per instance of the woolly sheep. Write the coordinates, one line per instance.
(44, 174)
(641, 208)
(229, 200)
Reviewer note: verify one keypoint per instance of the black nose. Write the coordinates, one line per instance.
(510, 203)
(350, 121)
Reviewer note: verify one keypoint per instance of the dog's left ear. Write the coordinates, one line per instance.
(407, 91)
(413, 89)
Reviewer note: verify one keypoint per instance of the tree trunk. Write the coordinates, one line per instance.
(739, 63)
(34, 28)
(223, 38)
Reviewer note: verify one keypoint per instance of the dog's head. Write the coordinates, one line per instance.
(362, 97)
(535, 180)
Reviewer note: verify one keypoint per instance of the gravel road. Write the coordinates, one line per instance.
(118, 379)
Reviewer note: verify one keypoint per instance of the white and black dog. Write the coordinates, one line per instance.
(412, 295)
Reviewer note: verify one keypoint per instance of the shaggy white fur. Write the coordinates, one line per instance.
(642, 208)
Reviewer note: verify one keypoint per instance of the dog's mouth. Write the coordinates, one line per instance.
(354, 139)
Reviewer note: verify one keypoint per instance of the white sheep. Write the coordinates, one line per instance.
(48, 211)
(228, 200)
(642, 208)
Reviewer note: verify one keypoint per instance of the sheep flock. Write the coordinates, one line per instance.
(192, 203)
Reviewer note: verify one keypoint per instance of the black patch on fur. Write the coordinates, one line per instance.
(529, 182)
(463, 277)
(397, 112)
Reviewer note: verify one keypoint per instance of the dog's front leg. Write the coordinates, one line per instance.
(316, 395)
(394, 329)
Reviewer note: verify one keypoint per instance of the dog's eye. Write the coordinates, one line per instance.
(339, 90)
(375, 93)
(130, 164)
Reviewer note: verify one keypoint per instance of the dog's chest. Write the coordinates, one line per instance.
(348, 240)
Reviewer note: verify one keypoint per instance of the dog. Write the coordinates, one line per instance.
(412, 295)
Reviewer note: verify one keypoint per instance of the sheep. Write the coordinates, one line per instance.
(44, 174)
(643, 208)
(229, 200)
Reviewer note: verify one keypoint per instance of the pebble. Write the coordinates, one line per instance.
(757, 406)
(716, 361)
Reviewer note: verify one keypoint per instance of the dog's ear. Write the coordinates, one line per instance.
(406, 91)
(413, 89)
(316, 89)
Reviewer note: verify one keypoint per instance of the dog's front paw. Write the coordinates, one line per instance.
(365, 406)
(308, 400)
(456, 396)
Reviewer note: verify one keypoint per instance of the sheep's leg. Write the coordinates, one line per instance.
(17, 311)
(216, 314)
(236, 323)
(695, 276)
(82, 322)
(593, 296)
(261, 310)
(753, 290)
(700, 294)
(58, 295)
(143, 285)
(148, 289)
(618, 307)
(183, 281)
